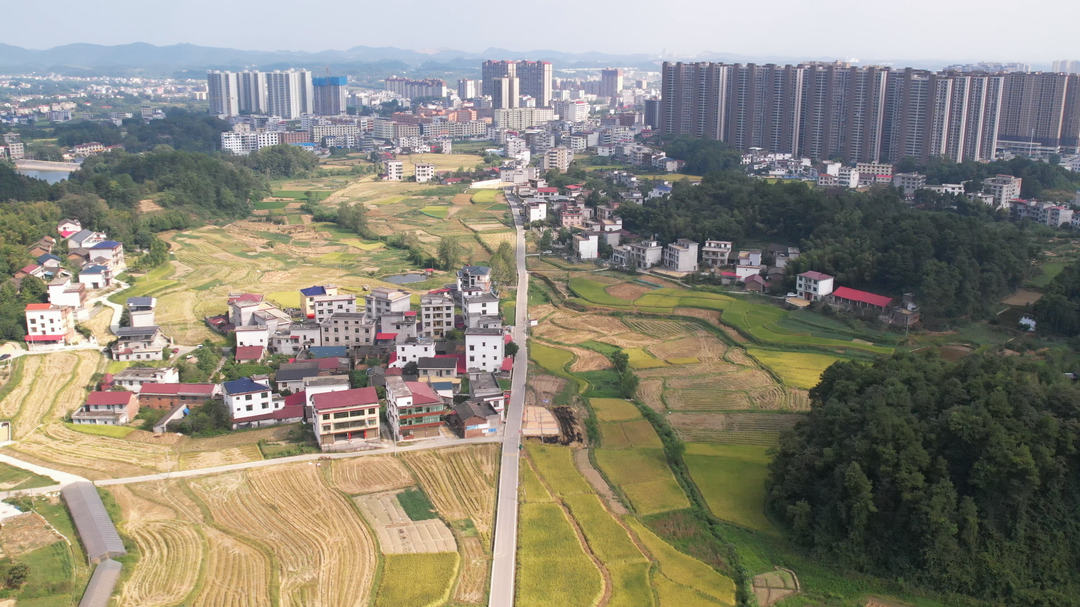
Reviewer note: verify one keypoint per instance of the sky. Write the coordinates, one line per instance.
(1034, 31)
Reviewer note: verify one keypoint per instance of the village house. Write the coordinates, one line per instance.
(854, 299)
(474, 278)
(67, 227)
(535, 210)
(293, 338)
(65, 293)
(85, 239)
(96, 277)
(587, 245)
(323, 384)
(348, 329)
(404, 325)
(484, 387)
(134, 378)
(750, 258)
(715, 253)
(345, 416)
(139, 344)
(472, 419)
(48, 325)
(326, 306)
(246, 399)
(107, 408)
(412, 350)
(681, 255)
(291, 376)
(308, 295)
(141, 311)
(438, 366)
(384, 300)
(437, 315)
(166, 396)
(813, 286)
(252, 335)
(249, 354)
(479, 307)
(639, 255)
(413, 409)
(107, 253)
(484, 349)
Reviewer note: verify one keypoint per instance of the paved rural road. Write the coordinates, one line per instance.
(506, 511)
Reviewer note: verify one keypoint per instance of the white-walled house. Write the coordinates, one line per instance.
(246, 398)
(252, 335)
(412, 350)
(587, 245)
(484, 349)
(813, 285)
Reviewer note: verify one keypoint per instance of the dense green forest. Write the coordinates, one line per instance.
(1058, 311)
(961, 476)
(180, 129)
(1042, 180)
(957, 263)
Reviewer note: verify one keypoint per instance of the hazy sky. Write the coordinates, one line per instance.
(1035, 31)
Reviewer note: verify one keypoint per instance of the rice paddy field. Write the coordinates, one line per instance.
(731, 478)
(574, 550)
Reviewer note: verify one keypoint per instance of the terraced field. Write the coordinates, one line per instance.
(460, 482)
(50, 387)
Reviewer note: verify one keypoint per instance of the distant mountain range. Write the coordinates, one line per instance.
(150, 60)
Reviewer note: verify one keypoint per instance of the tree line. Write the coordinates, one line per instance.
(957, 263)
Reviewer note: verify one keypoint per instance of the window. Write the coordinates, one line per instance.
(266, 405)
(247, 397)
(247, 408)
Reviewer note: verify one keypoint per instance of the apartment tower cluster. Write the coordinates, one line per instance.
(287, 94)
(870, 113)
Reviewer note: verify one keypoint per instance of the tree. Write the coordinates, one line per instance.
(17, 575)
(450, 251)
(411, 368)
(511, 349)
(545, 239)
(628, 383)
(621, 360)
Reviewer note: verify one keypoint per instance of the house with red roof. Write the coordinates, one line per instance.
(49, 325)
(343, 417)
(856, 299)
(413, 409)
(249, 354)
(107, 408)
(813, 286)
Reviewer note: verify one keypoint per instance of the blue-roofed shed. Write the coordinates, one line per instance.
(244, 385)
(328, 352)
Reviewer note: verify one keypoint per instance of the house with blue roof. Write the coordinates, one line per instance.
(664, 189)
(308, 297)
(50, 261)
(96, 277)
(108, 253)
(246, 398)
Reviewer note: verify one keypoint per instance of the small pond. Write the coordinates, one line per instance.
(402, 279)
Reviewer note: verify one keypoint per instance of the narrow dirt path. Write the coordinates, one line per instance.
(581, 459)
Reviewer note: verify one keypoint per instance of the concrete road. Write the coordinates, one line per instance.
(506, 511)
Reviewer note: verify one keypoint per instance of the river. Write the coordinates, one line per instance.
(52, 176)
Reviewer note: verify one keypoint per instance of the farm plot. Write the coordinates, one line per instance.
(370, 474)
(290, 511)
(627, 290)
(662, 329)
(26, 533)
(644, 477)
(397, 533)
(99, 324)
(230, 455)
(732, 428)
(474, 572)
(705, 585)
(168, 568)
(553, 567)
(614, 410)
(640, 359)
(51, 386)
(460, 482)
(732, 481)
(798, 369)
(238, 574)
(94, 457)
(650, 392)
(700, 346)
(417, 580)
(596, 323)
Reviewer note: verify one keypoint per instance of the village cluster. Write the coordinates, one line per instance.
(433, 386)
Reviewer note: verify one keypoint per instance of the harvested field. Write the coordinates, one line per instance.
(556, 333)
(588, 360)
(650, 392)
(627, 290)
(290, 510)
(700, 346)
(52, 386)
(731, 428)
(628, 340)
(99, 324)
(1022, 298)
(472, 585)
(712, 316)
(370, 474)
(400, 535)
(238, 573)
(744, 379)
(706, 400)
(775, 585)
(95, 457)
(170, 552)
(739, 357)
(460, 482)
(543, 388)
(596, 323)
(662, 329)
(26, 533)
(228, 455)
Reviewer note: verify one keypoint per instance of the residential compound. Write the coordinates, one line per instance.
(871, 114)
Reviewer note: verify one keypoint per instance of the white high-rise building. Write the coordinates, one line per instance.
(252, 92)
(1066, 66)
(289, 93)
(222, 91)
(572, 110)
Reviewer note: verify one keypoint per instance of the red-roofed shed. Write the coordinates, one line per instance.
(859, 299)
(249, 354)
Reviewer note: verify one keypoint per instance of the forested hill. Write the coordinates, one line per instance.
(958, 262)
(963, 476)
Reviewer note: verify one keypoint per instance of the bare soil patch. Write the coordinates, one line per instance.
(543, 388)
(1022, 297)
(397, 533)
(627, 290)
(26, 533)
(954, 352)
(581, 459)
(588, 360)
(649, 392)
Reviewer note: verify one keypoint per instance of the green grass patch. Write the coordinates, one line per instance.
(417, 580)
(386, 201)
(595, 292)
(210, 284)
(49, 581)
(555, 465)
(552, 359)
(484, 196)
(640, 359)
(614, 409)
(552, 568)
(13, 478)
(361, 244)
(732, 481)
(271, 205)
(318, 195)
(294, 219)
(416, 505)
(798, 369)
(101, 430)
(605, 349)
(438, 211)
(1050, 271)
